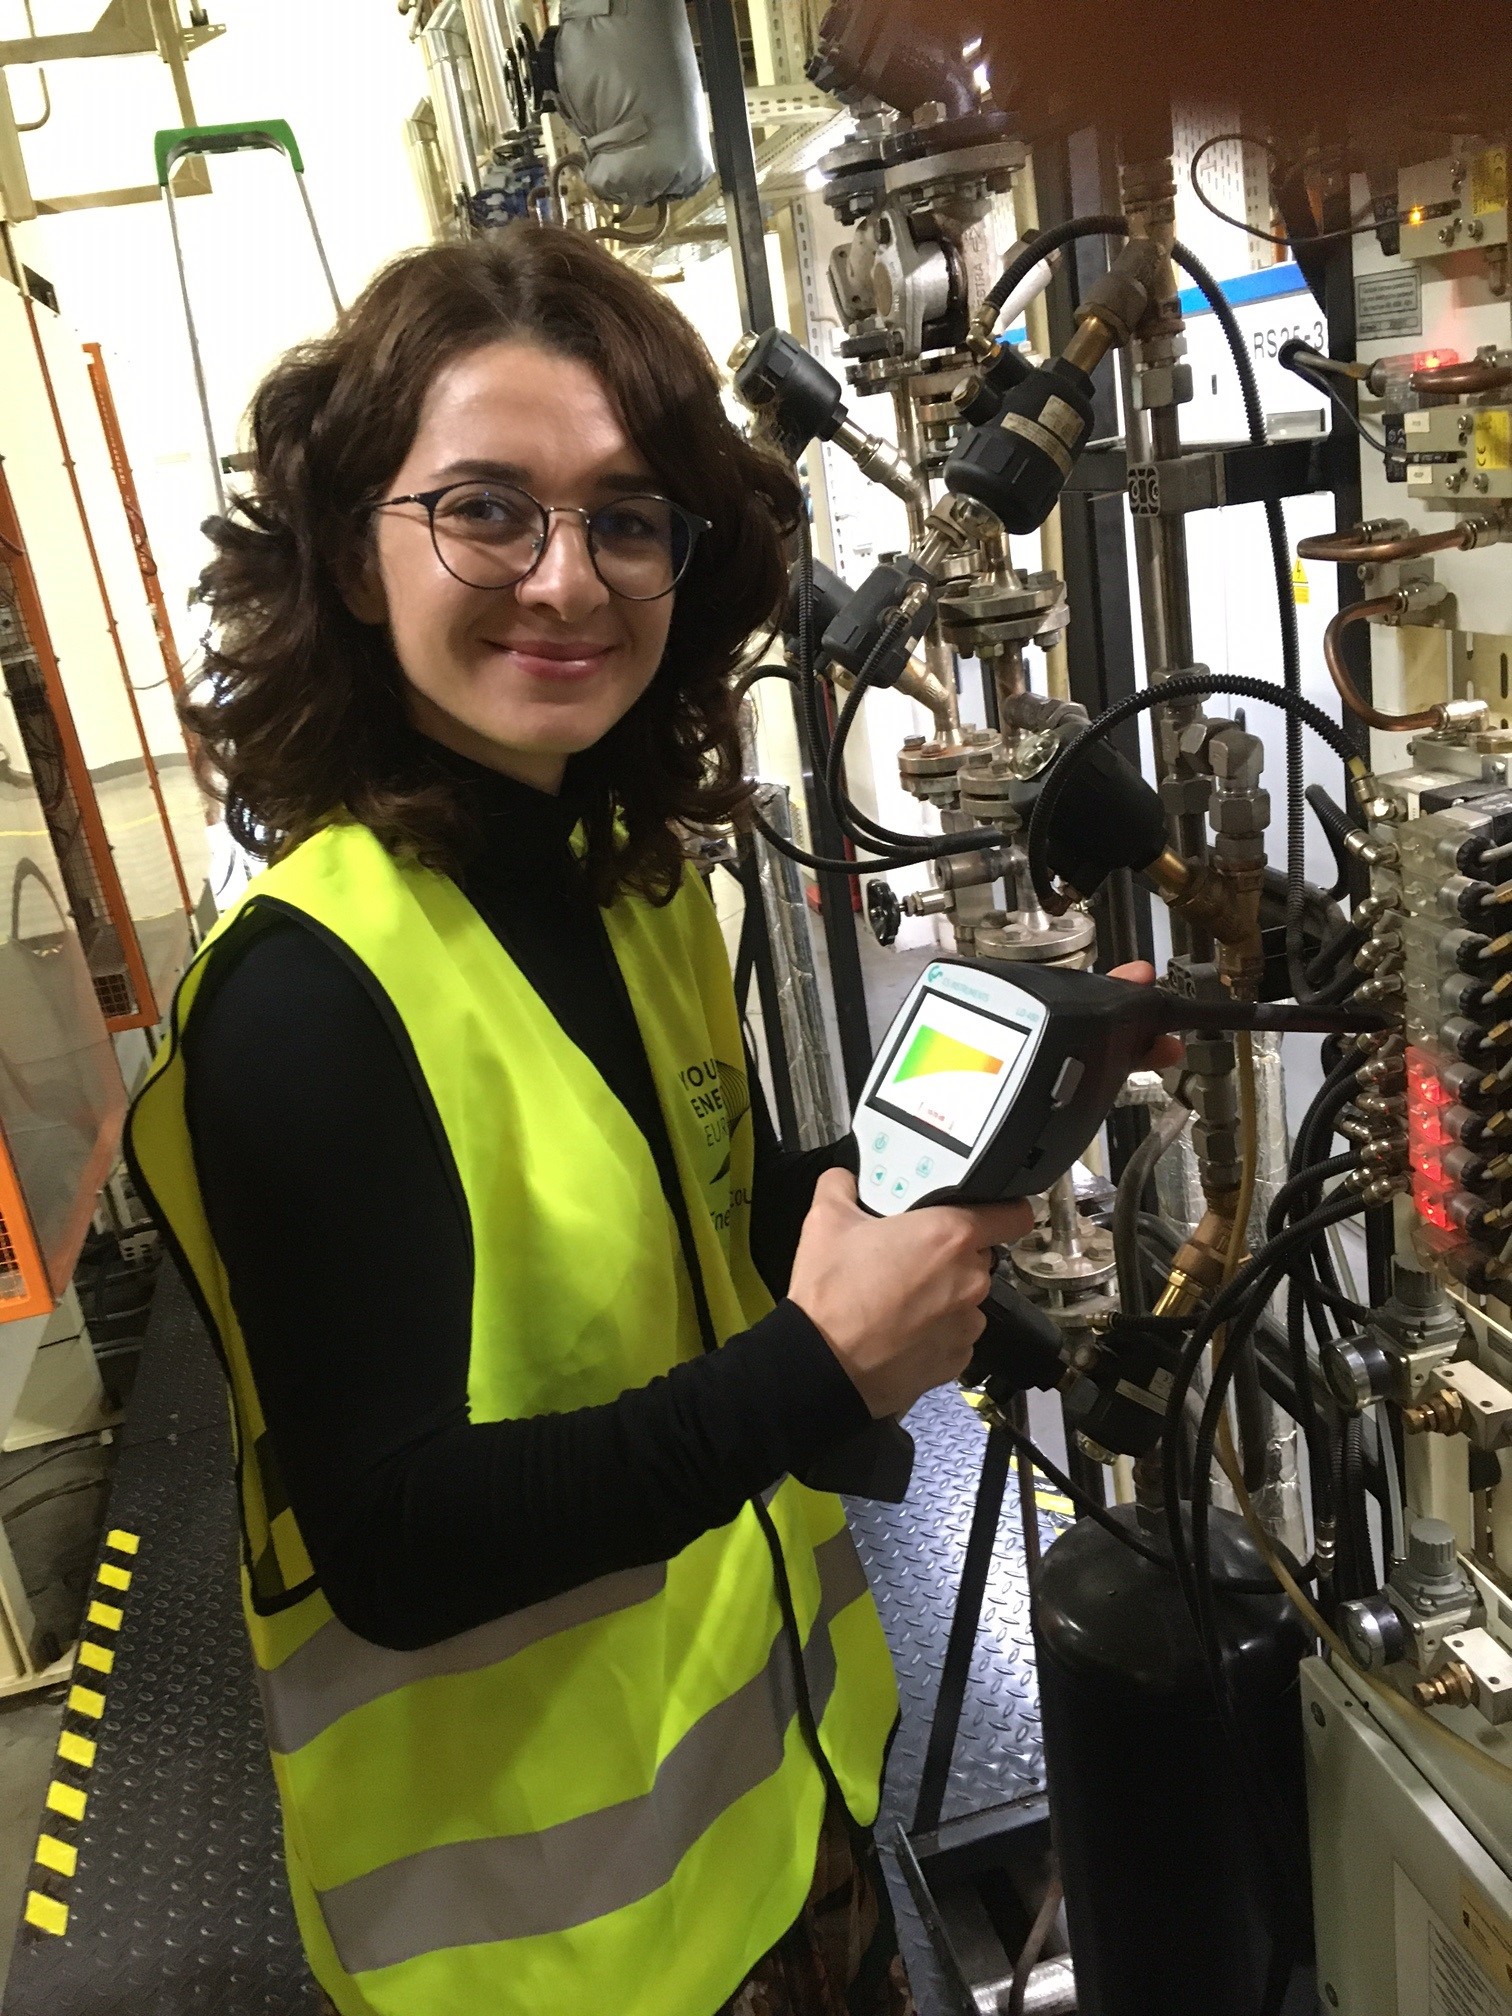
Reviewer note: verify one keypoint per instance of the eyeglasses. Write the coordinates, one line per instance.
(492, 535)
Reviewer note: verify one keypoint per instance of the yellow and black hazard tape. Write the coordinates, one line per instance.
(67, 1801)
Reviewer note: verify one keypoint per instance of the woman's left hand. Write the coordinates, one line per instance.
(1165, 1050)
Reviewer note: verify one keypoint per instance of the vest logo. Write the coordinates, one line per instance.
(719, 1099)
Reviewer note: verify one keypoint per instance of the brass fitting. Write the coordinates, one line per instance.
(1453, 1686)
(1197, 1270)
(1222, 900)
(1442, 1413)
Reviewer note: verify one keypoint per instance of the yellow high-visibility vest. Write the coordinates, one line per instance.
(604, 1801)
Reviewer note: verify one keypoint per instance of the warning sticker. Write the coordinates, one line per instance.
(1388, 304)
(1301, 592)
(1488, 1934)
(1488, 181)
(1493, 438)
(1456, 1986)
(1443, 1969)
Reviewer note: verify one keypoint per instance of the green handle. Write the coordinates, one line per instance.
(174, 142)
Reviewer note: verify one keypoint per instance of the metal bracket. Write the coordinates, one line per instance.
(1208, 478)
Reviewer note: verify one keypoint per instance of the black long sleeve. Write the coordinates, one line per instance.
(348, 1266)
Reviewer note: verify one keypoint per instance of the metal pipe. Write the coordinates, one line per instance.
(896, 469)
(1480, 374)
(1378, 607)
(939, 659)
(797, 979)
(1051, 1991)
(1358, 549)
(1065, 1219)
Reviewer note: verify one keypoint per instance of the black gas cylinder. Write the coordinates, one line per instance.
(1171, 1902)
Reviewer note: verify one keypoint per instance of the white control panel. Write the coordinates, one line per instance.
(949, 1069)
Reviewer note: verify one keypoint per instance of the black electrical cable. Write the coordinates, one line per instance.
(58, 1491)
(1189, 686)
(1321, 382)
(1272, 1822)
(821, 864)
(893, 850)
(75, 1445)
(1268, 1263)
(1254, 230)
(1084, 1500)
(1291, 657)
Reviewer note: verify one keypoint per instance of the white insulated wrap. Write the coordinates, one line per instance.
(627, 83)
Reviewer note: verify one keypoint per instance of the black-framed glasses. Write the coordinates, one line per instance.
(492, 535)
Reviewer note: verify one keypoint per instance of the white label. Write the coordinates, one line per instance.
(1456, 1986)
(1436, 1974)
(1420, 421)
(1388, 304)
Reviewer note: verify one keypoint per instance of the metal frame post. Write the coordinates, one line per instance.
(735, 158)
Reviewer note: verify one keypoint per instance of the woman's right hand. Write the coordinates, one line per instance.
(898, 1300)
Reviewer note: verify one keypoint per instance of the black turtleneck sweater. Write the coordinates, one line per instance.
(328, 1188)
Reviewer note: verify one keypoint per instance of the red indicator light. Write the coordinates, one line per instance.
(1433, 360)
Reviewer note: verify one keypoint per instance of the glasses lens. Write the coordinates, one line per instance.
(487, 534)
(641, 546)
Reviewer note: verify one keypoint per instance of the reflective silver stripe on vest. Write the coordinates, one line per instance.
(517, 1886)
(335, 1671)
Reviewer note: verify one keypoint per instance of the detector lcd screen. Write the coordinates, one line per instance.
(947, 1069)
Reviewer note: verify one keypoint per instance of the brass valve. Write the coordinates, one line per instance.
(1453, 1686)
(1224, 902)
(1442, 1413)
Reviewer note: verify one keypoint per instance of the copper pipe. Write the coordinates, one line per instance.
(1338, 671)
(1479, 375)
(1347, 549)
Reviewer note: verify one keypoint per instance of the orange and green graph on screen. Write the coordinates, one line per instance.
(932, 1051)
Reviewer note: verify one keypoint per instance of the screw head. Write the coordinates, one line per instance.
(1317, 1714)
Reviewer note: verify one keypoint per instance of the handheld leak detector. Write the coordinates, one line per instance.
(994, 1077)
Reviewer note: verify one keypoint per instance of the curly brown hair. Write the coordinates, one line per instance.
(301, 707)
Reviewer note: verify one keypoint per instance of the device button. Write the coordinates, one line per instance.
(879, 1174)
(924, 1167)
(1067, 1079)
(880, 1143)
(900, 1188)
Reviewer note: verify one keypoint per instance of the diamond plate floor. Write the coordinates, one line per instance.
(178, 1906)
(913, 1554)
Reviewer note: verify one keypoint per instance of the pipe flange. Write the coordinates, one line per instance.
(926, 761)
(1034, 936)
(1047, 1267)
(998, 601)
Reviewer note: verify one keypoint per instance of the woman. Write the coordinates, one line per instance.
(576, 1697)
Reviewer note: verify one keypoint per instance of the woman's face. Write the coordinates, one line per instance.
(518, 678)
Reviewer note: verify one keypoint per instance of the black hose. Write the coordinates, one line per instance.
(1298, 1185)
(1286, 604)
(1087, 1504)
(1343, 945)
(1048, 241)
(1286, 610)
(856, 826)
(1189, 686)
(1336, 823)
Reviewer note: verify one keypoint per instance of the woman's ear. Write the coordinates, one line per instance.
(359, 581)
